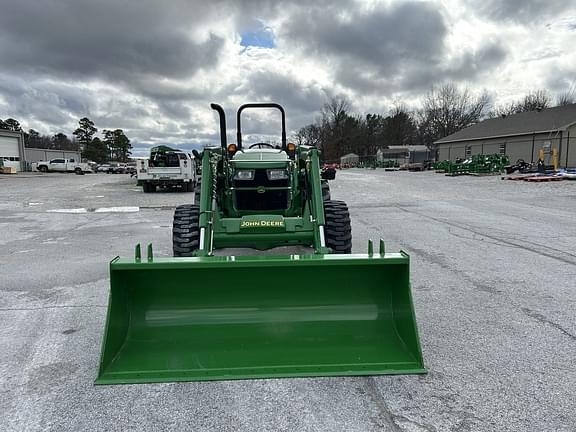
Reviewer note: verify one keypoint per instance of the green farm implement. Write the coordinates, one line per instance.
(474, 165)
(207, 316)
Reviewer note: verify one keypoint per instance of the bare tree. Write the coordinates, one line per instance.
(335, 111)
(333, 136)
(505, 110)
(400, 126)
(535, 100)
(309, 135)
(566, 98)
(447, 109)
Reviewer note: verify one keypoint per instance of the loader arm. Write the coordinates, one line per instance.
(316, 201)
(207, 203)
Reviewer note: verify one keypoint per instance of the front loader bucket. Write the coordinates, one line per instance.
(216, 318)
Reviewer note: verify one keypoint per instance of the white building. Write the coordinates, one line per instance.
(12, 149)
(350, 159)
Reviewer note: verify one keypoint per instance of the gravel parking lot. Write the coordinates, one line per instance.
(493, 279)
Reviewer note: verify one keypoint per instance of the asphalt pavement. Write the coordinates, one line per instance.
(493, 269)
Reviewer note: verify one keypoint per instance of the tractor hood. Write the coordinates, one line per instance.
(260, 158)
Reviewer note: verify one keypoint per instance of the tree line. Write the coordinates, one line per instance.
(445, 109)
(113, 146)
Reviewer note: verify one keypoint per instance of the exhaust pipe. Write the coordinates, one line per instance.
(222, 115)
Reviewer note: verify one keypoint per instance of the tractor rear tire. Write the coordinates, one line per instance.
(186, 230)
(337, 231)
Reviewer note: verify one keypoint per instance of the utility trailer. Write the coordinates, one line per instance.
(166, 168)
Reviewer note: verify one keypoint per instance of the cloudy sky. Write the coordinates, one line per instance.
(152, 68)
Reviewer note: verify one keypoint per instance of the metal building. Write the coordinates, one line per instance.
(405, 154)
(350, 159)
(520, 136)
(36, 154)
(12, 149)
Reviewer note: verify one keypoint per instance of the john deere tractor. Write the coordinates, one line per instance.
(201, 316)
(261, 196)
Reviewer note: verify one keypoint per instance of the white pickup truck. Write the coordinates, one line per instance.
(61, 165)
(166, 168)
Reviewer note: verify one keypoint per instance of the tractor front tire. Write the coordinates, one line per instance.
(337, 230)
(197, 190)
(186, 230)
(325, 191)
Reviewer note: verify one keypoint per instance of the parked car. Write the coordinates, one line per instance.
(118, 168)
(61, 165)
(131, 169)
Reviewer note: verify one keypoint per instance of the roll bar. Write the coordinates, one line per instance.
(260, 105)
(222, 116)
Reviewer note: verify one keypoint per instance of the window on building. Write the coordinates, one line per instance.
(503, 148)
(468, 151)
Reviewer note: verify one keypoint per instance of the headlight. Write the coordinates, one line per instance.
(277, 174)
(244, 175)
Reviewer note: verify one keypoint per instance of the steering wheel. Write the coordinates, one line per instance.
(261, 145)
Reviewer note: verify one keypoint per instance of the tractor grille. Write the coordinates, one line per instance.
(268, 200)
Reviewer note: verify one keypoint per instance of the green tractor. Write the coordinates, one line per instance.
(206, 316)
(261, 196)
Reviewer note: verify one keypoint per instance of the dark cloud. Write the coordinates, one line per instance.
(52, 107)
(120, 41)
(521, 11)
(117, 41)
(146, 54)
(561, 78)
(297, 97)
(382, 39)
(388, 49)
(543, 54)
(474, 63)
(122, 64)
(44, 102)
(464, 68)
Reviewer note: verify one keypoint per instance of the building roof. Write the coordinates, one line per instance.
(408, 147)
(547, 120)
(10, 133)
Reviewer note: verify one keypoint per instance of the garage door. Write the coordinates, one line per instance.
(10, 151)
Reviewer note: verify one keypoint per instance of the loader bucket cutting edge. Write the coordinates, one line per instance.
(220, 318)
